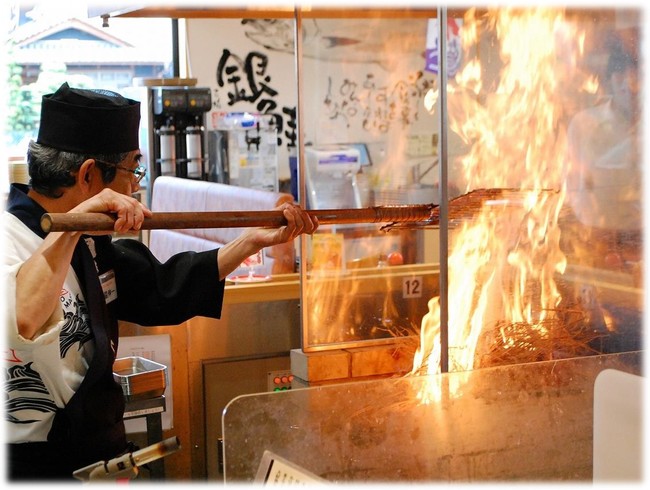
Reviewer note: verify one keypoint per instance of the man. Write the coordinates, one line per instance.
(604, 190)
(604, 185)
(66, 291)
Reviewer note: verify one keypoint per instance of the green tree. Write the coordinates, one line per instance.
(25, 100)
(21, 112)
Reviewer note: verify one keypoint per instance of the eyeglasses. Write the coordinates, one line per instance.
(138, 171)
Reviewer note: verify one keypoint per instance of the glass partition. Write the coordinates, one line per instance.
(540, 118)
(368, 140)
(527, 422)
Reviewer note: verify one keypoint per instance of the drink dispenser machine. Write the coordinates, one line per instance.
(179, 127)
(243, 151)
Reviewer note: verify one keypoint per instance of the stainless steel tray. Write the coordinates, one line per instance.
(139, 377)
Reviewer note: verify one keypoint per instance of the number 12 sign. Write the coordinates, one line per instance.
(412, 287)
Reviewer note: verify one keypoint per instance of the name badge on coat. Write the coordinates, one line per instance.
(109, 286)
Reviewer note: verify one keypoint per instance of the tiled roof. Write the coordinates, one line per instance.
(32, 46)
(33, 31)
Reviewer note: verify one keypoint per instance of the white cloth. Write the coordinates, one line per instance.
(604, 185)
(43, 373)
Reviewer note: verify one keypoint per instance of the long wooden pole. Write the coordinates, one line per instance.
(238, 219)
(459, 209)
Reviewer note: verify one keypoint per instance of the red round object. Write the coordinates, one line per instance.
(613, 260)
(395, 258)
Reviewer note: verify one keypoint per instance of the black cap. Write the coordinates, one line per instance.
(89, 121)
(620, 61)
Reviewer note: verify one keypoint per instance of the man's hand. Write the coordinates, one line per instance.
(232, 254)
(298, 222)
(129, 211)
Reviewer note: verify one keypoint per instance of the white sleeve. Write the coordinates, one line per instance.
(18, 244)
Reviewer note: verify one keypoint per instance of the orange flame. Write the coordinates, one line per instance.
(502, 264)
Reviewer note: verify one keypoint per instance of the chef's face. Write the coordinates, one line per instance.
(128, 174)
(625, 92)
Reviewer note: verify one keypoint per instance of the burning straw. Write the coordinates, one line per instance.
(565, 334)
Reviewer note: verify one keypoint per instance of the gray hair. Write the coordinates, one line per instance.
(50, 169)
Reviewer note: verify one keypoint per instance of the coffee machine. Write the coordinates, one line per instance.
(172, 128)
(179, 127)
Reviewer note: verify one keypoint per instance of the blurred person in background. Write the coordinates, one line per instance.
(605, 180)
(604, 229)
